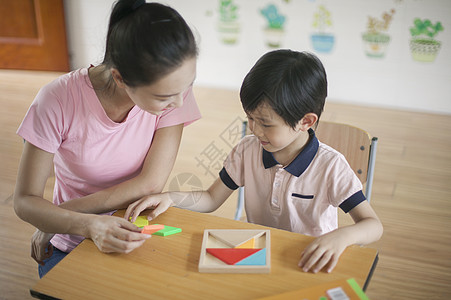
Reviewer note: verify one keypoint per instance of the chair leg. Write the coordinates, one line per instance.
(371, 164)
(240, 204)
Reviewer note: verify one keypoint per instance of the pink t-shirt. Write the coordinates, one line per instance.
(302, 197)
(92, 152)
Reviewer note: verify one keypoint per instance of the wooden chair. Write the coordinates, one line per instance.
(354, 143)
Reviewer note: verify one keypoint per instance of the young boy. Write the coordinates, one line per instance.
(292, 181)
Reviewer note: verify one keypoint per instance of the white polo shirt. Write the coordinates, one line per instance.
(302, 197)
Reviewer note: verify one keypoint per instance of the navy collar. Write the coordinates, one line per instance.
(301, 162)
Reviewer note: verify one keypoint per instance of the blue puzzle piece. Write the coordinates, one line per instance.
(256, 259)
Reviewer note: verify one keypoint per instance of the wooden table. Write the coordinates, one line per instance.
(167, 267)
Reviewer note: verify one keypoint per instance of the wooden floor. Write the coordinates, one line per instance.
(411, 193)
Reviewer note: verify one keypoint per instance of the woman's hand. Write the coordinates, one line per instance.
(158, 202)
(114, 234)
(325, 250)
(41, 248)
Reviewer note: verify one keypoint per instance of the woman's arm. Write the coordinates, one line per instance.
(326, 249)
(111, 234)
(200, 201)
(34, 169)
(156, 169)
(108, 235)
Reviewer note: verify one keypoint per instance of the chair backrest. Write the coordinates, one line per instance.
(354, 143)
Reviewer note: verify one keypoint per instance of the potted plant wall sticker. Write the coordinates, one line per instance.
(376, 39)
(423, 46)
(322, 41)
(228, 25)
(274, 31)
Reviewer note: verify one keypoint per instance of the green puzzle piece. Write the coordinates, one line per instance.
(168, 230)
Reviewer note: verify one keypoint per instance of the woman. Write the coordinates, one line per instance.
(111, 132)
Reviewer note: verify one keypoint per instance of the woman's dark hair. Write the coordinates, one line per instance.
(292, 83)
(146, 41)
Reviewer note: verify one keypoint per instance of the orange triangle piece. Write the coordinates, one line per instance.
(149, 229)
(248, 244)
(231, 255)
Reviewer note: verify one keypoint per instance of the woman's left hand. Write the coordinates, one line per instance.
(324, 250)
(41, 248)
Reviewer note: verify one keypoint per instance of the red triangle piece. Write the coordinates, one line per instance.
(231, 255)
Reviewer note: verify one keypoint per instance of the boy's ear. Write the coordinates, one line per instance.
(117, 77)
(307, 121)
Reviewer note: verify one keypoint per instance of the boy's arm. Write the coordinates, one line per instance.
(326, 249)
(200, 201)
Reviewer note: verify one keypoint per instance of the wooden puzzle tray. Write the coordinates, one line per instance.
(235, 251)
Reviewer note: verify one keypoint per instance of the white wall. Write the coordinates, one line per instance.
(395, 80)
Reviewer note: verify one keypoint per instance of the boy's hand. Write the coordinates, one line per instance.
(325, 250)
(159, 202)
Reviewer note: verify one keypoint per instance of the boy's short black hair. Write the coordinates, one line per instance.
(292, 83)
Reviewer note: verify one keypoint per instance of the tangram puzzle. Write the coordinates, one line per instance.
(155, 229)
(235, 251)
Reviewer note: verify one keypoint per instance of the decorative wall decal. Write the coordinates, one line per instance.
(322, 40)
(376, 39)
(423, 46)
(274, 31)
(228, 26)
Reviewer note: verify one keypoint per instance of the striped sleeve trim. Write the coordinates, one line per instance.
(227, 180)
(352, 201)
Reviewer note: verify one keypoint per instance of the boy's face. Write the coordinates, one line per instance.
(272, 131)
